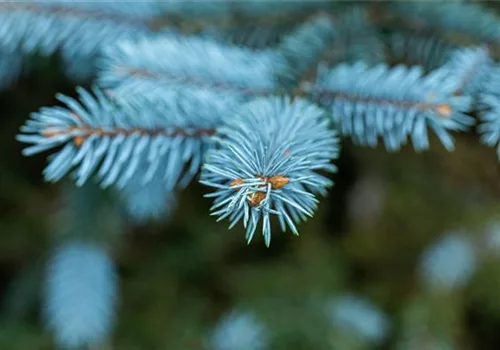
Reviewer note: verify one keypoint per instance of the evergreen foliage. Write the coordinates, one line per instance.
(268, 161)
(176, 91)
(80, 294)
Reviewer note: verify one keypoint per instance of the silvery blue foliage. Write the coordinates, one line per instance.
(304, 45)
(194, 8)
(149, 201)
(173, 102)
(471, 19)
(360, 317)
(80, 294)
(416, 49)
(104, 136)
(77, 30)
(254, 36)
(392, 103)
(79, 69)
(144, 9)
(489, 127)
(252, 8)
(472, 67)
(358, 38)
(260, 8)
(347, 37)
(238, 331)
(269, 161)
(172, 62)
(448, 263)
(11, 67)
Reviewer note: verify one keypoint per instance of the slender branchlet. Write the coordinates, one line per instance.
(368, 103)
(105, 137)
(171, 62)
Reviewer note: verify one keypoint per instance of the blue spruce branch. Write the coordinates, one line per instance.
(144, 202)
(80, 294)
(269, 161)
(473, 21)
(411, 49)
(489, 105)
(80, 290)
(140, 10)
(103, 136)
(171, 62)
(76, 30)
(331, 39)
(392, 103)
(256, 36)
(471, 67)
(222, 9)
(258, 9)
(303, 47)
(172, 103)
(358, 39)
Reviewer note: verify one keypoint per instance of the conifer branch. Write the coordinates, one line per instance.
(414, 49)
(471, 67)
(269, 161)
(77, 30)
(461, 23)
(106, 136)
(489, 105)
(358, 39)
(171, 103)
(330, 39)
(253, 36)
(81, 11)
(172, 62)
(80, 294)
(392, 103)
(81, 287)
(151, 201)
(304, 46)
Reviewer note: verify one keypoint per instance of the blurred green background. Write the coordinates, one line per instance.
(179, 277)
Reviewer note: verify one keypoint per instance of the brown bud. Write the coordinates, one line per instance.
(444, 110)
(78, 140)
(254, 199)
(278, 181)
(236, 182)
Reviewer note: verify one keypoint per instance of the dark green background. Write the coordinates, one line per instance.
(178, 277)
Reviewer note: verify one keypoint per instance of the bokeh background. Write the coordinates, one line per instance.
(404, 253)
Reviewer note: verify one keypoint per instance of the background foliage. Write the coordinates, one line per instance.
(180, 276)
